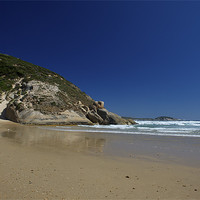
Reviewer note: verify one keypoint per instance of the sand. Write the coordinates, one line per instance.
(75, 167)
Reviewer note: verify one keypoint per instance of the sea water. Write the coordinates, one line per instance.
(159, 128)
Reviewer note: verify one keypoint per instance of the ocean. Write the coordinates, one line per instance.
(156, 128)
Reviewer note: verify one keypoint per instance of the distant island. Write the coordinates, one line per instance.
(30, 94)
(161, 118)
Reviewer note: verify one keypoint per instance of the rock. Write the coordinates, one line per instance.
(85, 109)
(3, 105)
(29, 86)
(112, 118)
(30, 105)
(30, 116)
(103, 113)
(11, 96)
(99, 104)
(116, 119)
(130, 121)
(79, 103)
(42, 105)
(94, 117)
(11, 113)
(93, 107)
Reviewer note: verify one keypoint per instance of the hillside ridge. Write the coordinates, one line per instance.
(30, 94)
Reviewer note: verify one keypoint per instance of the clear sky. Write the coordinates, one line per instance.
(141, 58)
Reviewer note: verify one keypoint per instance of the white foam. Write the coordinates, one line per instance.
(121, 132)
(164, 128)
(109, 126)
(168, 129)
(178, 123)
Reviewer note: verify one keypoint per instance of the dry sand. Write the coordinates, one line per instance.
(33, 169)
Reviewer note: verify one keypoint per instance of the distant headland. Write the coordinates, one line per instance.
(161, 118)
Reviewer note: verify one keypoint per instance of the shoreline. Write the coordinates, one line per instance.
(175, 149)
(43, 164)
(167, 149)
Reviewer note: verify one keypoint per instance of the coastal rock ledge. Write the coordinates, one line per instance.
(30, 94)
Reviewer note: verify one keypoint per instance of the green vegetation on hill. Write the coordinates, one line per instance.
(12, 69)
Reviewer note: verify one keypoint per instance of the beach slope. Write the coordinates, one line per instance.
(37, 168)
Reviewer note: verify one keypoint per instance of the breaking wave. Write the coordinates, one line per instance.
(160, 128)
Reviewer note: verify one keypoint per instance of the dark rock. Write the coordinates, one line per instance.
(112, 118)
(11, 113)
(94, 117)
(116, 119)
(93, 107)
(3, 114)
(184, 185)
(103, 113)
(131, 121)
(165, 118)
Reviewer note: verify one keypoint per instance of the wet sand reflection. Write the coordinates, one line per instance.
(41, 137)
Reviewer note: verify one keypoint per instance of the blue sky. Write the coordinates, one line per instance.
(141, 57)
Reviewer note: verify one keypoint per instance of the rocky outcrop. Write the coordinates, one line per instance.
(112, 118)
(102, 116)
(31, 116)
(37, 102)
(131, 121)
(11, 114)
(103, 113)
(40, 104)
(94, 117)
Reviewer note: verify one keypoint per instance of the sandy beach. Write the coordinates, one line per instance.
(41, 164)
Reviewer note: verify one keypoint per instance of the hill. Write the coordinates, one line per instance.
(31, 94)
(13, 69)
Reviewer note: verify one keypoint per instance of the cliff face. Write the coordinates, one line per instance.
(30, 94)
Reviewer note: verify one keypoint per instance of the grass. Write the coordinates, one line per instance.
(12, 69)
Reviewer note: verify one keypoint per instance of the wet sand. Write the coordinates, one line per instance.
(42, 164)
